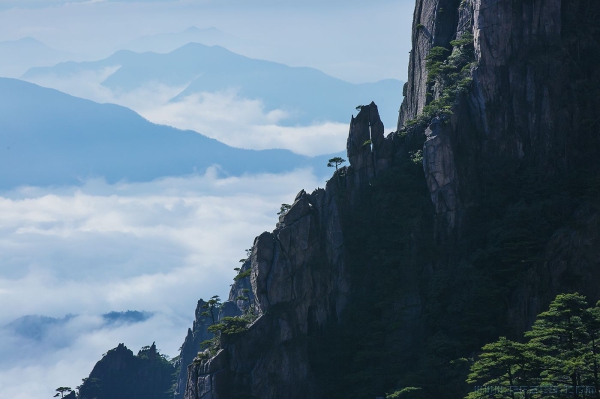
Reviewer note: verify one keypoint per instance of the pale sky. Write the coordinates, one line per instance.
(354, 40)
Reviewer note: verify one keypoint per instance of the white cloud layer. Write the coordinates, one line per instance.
(88, 250)
(243, 123)
(33, 369)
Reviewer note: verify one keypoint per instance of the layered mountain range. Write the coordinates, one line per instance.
(50, 138)
(454, 230)
(196, 68)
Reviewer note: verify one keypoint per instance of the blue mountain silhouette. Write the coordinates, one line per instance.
(50, 138)
(307, 94)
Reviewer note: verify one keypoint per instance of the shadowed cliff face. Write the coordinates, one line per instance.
(445, 235)
(240, 297)
(521, 141)
(300, 280)
(532, 99)
(191, 346)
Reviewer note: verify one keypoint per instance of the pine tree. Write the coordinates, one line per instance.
(501, 365)
(559, 338)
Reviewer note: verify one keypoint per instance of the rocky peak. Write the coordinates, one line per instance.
(368, 152)
(298, 277)
(120, 374)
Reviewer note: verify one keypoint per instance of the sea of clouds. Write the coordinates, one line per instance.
(95, 248)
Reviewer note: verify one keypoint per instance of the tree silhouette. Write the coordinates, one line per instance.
(212, 308)
(284, 208)
(335, 162)
(61, 391)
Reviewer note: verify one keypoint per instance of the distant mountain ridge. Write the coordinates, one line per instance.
(167, 42)
(16, 56)
(306, 94)
(50, 138)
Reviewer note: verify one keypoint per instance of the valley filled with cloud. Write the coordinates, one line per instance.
(96, 248)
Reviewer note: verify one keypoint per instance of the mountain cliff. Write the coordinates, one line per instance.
(300, 279)
(456, 229)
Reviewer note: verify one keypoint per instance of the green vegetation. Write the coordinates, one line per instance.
(404, 393)
(61, 391)
(416, 157)
(449, 74)
(335, 162)
(229, 325)
(226, 325)
(561, 350)
(244, 274)
(212, 308)
(435, 62)
(249, 250)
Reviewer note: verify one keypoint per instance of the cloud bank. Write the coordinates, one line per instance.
(89, 250)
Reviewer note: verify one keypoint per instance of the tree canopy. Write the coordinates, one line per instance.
(335, 162)
(559, 357)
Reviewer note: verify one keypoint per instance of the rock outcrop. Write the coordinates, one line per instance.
(120, 374)
(240, 297)
(191, 346)
(300, 283)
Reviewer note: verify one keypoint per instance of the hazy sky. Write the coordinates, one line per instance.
(354, 40)
(160, 246)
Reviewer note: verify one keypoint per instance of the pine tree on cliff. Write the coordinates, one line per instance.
(61, 391)
(212, 308)
(335, 162)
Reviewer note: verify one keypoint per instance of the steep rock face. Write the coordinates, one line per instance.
(534, 86)
(434, 24)
(300, 283)
(240, 297)
(191, 346)
(520, 145)
(440, 173)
